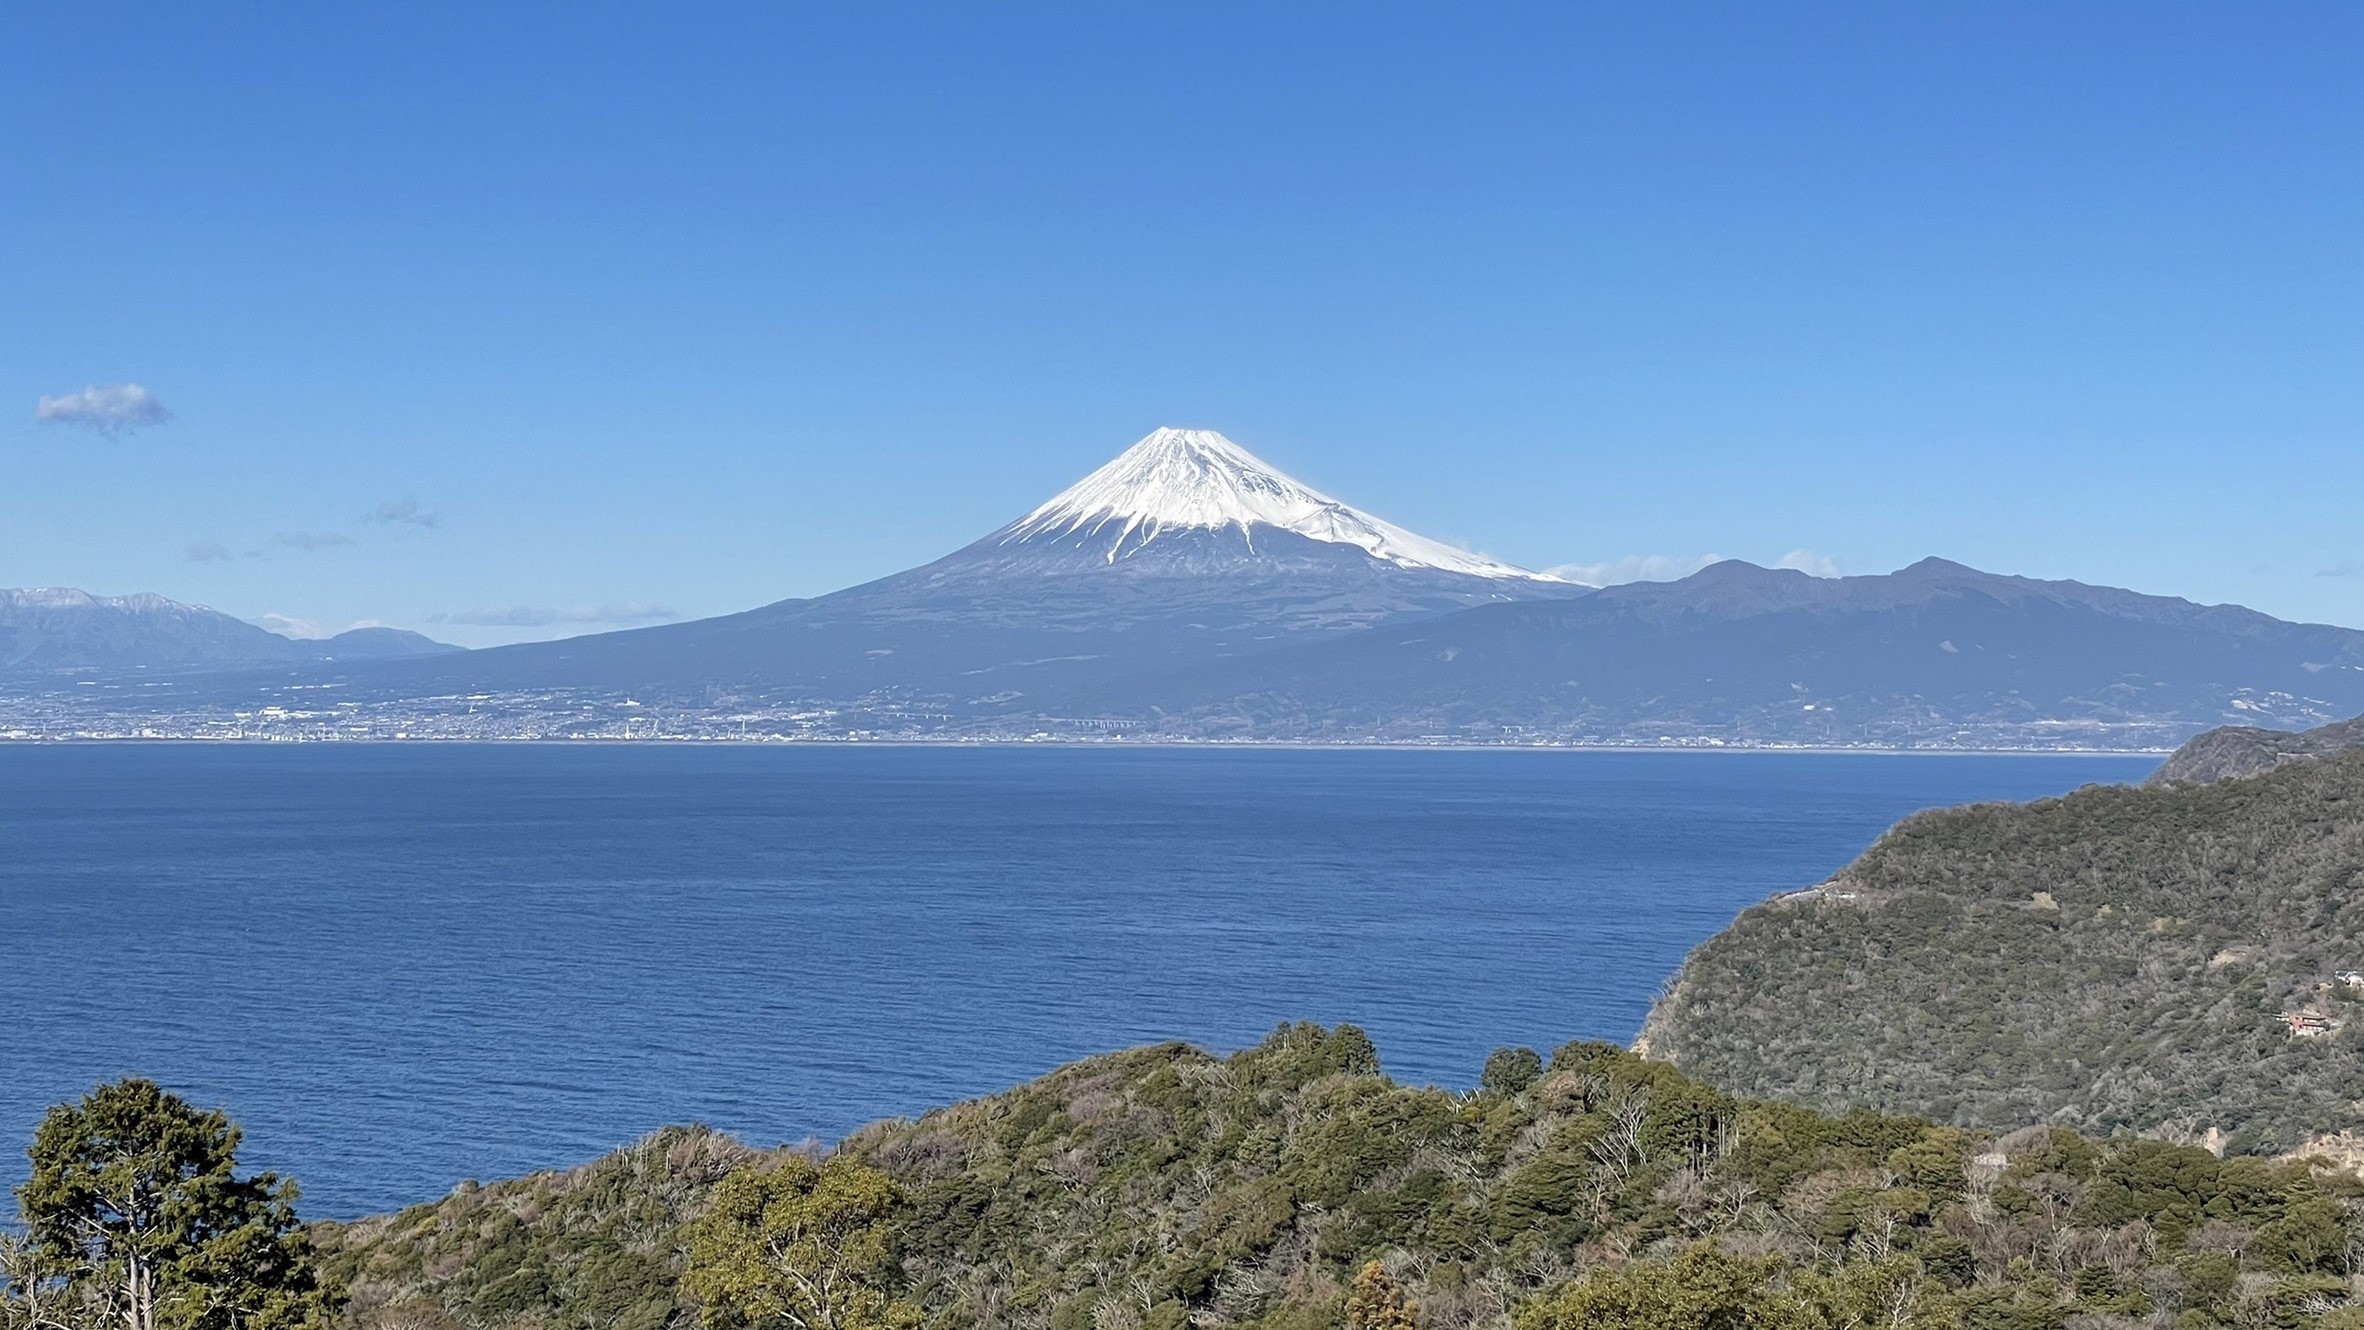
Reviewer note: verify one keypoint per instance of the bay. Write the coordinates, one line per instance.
(400, 966)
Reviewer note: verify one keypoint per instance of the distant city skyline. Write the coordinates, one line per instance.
(500, 325)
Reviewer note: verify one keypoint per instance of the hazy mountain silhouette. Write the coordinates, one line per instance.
(58, 628)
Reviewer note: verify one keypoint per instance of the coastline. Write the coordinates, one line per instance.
(1225, 745)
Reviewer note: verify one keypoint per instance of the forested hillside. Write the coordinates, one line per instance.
(2166, 960)
(2245, 750)
(1293, 1185)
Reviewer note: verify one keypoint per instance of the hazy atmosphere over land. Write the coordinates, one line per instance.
(516, 325)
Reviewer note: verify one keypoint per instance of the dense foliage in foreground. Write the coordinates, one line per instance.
(1162, 1187)
(2119, 959)
(134, 1216)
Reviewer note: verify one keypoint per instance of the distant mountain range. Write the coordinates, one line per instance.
(1187, 590)
(1936, 653)
(51, 629)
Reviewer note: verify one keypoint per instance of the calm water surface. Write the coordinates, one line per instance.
(404, 966)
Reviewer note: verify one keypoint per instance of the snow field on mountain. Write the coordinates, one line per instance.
(1195, 479)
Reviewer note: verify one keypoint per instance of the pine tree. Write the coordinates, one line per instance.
(137, 1220)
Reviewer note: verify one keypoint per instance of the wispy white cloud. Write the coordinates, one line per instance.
(526, 616)
(309, 630)
(311, 540)
(117, 408)
(289, 625)
(1810, 563)
(405, 511)
(2341, 570)
(208, 551)
(1635, 568)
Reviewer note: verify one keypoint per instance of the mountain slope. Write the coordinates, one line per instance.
(2120, 959)
(1936, 653)
(2245, 750)
(1185, 547)
(58, 628)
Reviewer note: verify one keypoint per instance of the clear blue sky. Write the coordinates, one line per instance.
(701, 306)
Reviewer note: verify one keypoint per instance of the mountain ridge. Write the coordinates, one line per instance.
(46, 629)
(1186, 591)
(1745, 653)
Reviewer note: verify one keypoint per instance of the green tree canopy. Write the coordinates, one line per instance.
(136, 1218)
(1702, 1289)
(1510, 1070)
(799, 1245)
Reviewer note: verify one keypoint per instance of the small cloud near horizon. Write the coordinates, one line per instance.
(209, 551)
(1634, 568)
(2341, 570)
(289, 625)
(1810, 563)
(526, 616)
(309, 630)
(311, 540)
(405, 511)
(112, 410)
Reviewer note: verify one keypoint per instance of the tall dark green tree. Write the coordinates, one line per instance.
(1511, 1070)
(138, 1220)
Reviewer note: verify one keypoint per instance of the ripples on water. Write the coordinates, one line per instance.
(402, 966)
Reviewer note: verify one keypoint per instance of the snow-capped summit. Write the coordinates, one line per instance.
(1178, 480)
(1184, 551)
(74, 598)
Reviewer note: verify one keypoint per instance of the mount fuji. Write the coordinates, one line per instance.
(1185, 548)
(1193, 486)
(1189, 591)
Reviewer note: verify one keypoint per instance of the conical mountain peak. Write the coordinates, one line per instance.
(1177, 480)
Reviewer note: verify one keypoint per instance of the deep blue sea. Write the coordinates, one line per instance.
(404, 966)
